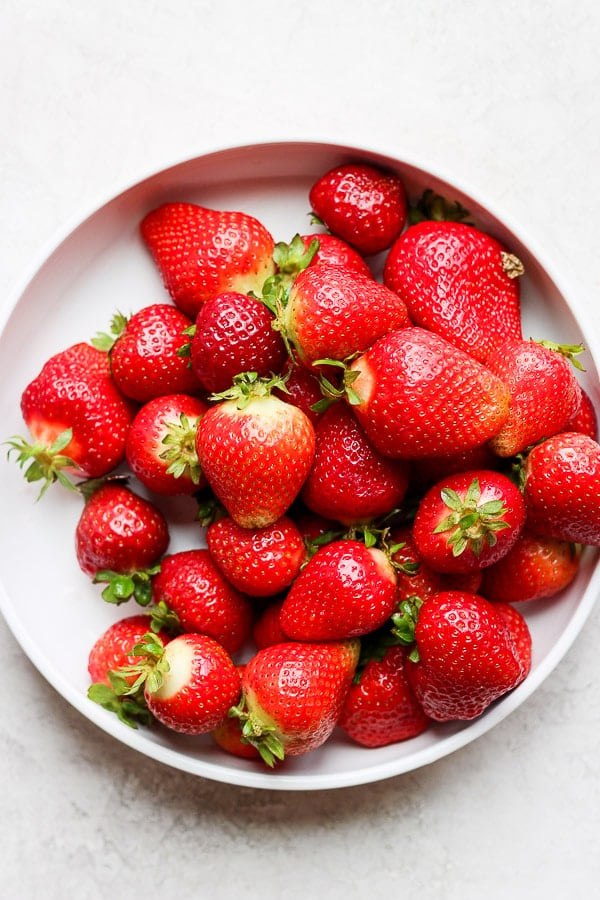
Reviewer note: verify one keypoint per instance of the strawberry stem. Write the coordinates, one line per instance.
(257, 733)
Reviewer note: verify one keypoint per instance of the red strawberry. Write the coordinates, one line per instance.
(228, 736)
(417, 395)
(429, 469)
(333, 312)
(458, 282)
(350, 481)
(161, 444)
(545, 395)
(585, 420)
(561, 488)
(345, 590)
(234, 334)
(468, 521)
(380, 707)
(260, 562)
(191, 586)
(119, 539)
(77, 417)
(362, 204)
(267, 627)
(302, 389)
(414, 578)
(202, 252)
(292, 695)
(312, 250)
(534, 568)
(255, 451)
(112, 650)
(466, 656)
(520, 633)
(147, 353)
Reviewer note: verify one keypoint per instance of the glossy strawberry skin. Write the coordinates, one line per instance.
(145, 358)
(345, 590)
(349, 480)
(228, 736)
(201, 252)
(380, 706)
(192, 586)
(234, 335)
(454, 280)
(361, 204)
(414, 578)
(520, 634)
(334, 251)
(112, 650)
(419, 396)
(585, 421)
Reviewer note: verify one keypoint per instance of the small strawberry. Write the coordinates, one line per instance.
(191, 586)
(119, 540)
(255, 451)
(345, 590)
(202, 252)
(349, 480)
(260, 562)
(362, 204)
(417, 395)
(292, 695)
(585, 421)
(161, 444)
(468, 521)
(458, 282)
(228, 736)
(561, 478)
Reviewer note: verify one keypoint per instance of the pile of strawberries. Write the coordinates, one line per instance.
(383, 471)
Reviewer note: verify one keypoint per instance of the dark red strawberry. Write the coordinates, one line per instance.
(520, 633)
(414, 578)
(585, 420)
(267, 627)
(302, 389)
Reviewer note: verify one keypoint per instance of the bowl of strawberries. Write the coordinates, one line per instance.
(306, 454)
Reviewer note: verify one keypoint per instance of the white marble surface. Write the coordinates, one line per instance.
(503, 95)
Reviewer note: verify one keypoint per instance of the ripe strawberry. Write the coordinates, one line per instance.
(112, 650)
(345, 590)
(255, 451)
(202, 252)
(535, 567)
(458, 282)
(417, 395)
(292, 695)
(228, 736)
(520, 633)
(545, 394)
(333, 312)
(190, 585)
(585, 421)
(267, 627)
(561, 479)
(362, 204)
(312, 250)
(466, 656)
(302, 389)
(119, 540)
(260, 562)
(234, 334)
(350, 481)
(161, 444)
(77, 417)
(147, 353)
(468, 521)
(380, 707)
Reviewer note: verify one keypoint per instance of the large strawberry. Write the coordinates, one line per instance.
(255, 451)
(458, 281)
(77, 417)
(417, 395)
(201, 252)
(292, 695)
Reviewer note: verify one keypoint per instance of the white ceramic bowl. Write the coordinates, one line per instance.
(100, 266)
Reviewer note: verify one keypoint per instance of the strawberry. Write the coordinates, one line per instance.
(464, 656)
(147, 352)
(228, 736)
(161, 444)
(585, 420)
(520, 633)
(345, 590)
(545, 394)
(417, 395)
(292, 695)
(534, 568)
(267, 627)
(302, 389)
(202, 252)
(112, 650)
(233, 334)
(255, 451)
(380, 706)
(77, 417)
(332, 312)
(561, 478)
(312, 250)
(459, 282)
(119, 540)
(468, 521)
(191, 586)
(350, 481)
(260, 562)
(362, 204)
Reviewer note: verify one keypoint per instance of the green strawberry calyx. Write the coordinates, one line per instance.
(42, 463)
(570, 351)
(248, 386)
(433, 207)
(180, 450)
(105, 340)
(471, 524)
(333, 392)
(258, 732)
(122, 586)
